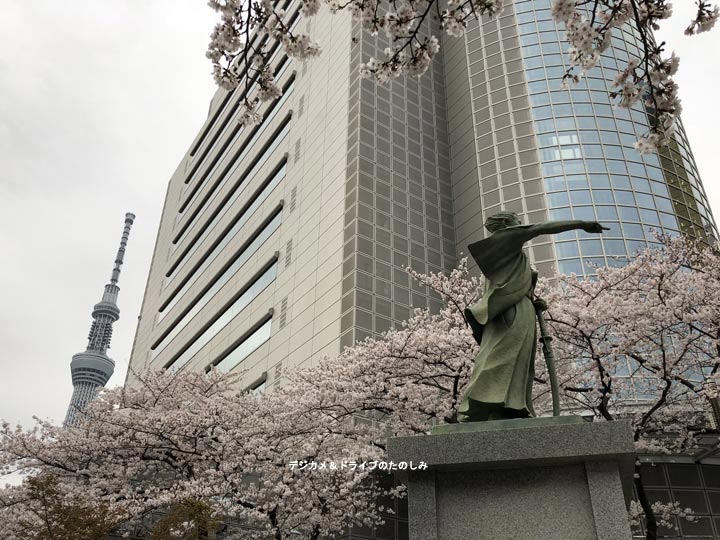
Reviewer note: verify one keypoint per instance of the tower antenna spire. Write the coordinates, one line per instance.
(120, 257)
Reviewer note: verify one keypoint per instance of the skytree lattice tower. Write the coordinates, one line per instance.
(93, 368)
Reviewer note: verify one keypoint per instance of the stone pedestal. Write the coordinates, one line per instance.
(531, 479)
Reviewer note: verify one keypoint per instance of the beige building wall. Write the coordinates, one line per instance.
(304, 299)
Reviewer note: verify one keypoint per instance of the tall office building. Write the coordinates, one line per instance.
(286, 241)
(92, 368)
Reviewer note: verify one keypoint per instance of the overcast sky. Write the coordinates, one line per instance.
(99, 100)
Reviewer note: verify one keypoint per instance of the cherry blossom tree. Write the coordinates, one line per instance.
(195, 448)
(181, 440)
(44, 509)
(412, 376)
(643, 342)
(192, 437)
(188, 520)
(241, 45)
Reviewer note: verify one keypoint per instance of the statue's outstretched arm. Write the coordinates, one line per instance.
(555, 227)
(511, 239)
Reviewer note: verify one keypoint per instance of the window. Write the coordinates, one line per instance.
(235, 132)
(248, 344)
(238, 99)
(203, 137)
(570, 266)
(558, 199)
(250, 292)
(566, 249)
(257, 388)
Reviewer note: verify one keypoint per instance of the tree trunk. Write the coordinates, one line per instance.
(650, 521)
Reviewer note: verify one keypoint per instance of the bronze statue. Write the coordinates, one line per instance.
(503, 321)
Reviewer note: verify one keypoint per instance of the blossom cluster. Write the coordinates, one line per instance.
(705, 18)
(647, 78)
(241, 43)
(665, 512)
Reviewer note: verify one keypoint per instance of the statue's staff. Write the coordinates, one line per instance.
(545, 339)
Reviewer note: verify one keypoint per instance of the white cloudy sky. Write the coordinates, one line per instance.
(99, 100)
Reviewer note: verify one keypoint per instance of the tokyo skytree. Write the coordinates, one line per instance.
(93, 368)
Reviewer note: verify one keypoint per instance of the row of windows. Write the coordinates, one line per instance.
(624, 49)
(226, 204)
(607, 196)
(236, 161)
(243, 255)
(414, 188)
(236, 131)
(552, 43)
(426, 185)
(384, 224)
(400, 219)
(578, 151)
(90, 375)
(652, 183)
(646, 205)
(260, 195)
(221, 108)
(587, 119)
(567, 150)
(384, 253)
(414, 130)
(236, 99)
(577, 166)
(400, 198)
(249, 292)
(593, 248)
(592, 135)
(610, 214)
(587, 266)
(230, 124)
(399, 148)
(429, 111)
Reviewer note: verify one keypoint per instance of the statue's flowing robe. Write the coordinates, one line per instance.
(505, 363)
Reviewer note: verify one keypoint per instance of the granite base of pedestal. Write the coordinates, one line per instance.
(531, 479)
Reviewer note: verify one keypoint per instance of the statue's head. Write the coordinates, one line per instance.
(502, 220)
